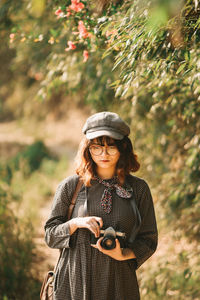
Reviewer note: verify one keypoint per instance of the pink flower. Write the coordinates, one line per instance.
(111, 32)
(85, 55)
(60, 14)
(68, 12)
(38, 76)
(76, 5)
(12, 36)
(83, 31)
(71, 45)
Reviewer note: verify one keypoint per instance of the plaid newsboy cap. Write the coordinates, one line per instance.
(105, 123)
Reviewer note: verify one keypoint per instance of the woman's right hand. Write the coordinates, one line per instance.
(92, 223)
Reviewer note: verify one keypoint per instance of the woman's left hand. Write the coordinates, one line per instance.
(115, 253)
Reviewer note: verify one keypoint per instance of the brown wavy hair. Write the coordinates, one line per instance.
(86, 167)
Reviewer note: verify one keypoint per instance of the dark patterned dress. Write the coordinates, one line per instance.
(84, 273)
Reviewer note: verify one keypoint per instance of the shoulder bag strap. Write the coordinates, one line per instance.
(73, 202)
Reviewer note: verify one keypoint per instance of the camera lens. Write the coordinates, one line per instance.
(108, 242)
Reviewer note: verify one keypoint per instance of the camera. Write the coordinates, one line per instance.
(109, 235)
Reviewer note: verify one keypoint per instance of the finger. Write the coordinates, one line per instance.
(96, 224)
(99, 240)
(96, 221)
(98, 244)
(100, 221)
(117, 243)
(97, 228)
(94, 229)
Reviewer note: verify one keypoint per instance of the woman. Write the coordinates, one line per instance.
(94, 266)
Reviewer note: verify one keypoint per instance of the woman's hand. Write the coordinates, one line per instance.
(92, 223)
(116, 253)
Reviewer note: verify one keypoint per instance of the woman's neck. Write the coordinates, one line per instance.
(105, 173)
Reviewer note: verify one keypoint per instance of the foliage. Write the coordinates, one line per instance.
(170, 283)
(41, 54)
(30, 158)
(21, 195)
(158, 51)
(16, 250)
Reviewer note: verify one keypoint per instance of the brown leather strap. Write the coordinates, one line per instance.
(73, 202)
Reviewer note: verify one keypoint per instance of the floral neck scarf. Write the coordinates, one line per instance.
(110, 185)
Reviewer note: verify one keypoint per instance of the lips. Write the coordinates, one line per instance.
(104, 160)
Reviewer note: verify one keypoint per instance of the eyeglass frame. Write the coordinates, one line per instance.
(106, 148)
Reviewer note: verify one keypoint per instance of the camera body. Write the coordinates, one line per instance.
(109, 235)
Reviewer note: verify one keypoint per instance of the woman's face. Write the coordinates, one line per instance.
(104, 154)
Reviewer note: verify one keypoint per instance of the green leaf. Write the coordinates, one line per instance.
(118, 63)
(54, 32)
(181, 68)
(115, 83)
(125, 91)
(118, 91)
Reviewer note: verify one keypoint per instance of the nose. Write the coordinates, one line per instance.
(104, 151)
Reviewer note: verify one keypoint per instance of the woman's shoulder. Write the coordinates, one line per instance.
(139, 185)
(68, 183)
(136, 181)
(70, 179)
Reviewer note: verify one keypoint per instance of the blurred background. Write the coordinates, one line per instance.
(62, 61)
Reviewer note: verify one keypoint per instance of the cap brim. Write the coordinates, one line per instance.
(96, 134)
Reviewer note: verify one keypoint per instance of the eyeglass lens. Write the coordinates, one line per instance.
(98, 149)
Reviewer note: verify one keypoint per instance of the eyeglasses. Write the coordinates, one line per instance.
(96, 149)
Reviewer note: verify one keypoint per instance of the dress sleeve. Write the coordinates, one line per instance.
(57, 233)
(146, 239)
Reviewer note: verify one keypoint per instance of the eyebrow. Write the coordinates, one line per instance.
(97, 144)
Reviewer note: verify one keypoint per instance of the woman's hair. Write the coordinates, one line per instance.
(86, 167)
